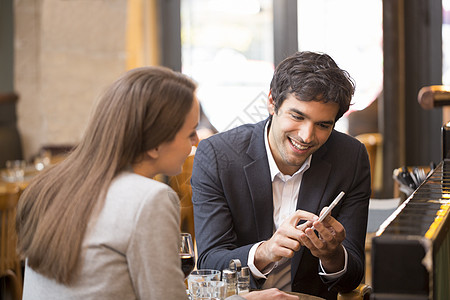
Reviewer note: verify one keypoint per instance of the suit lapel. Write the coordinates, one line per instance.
(258, 178)
(313, 185)
(311, 192)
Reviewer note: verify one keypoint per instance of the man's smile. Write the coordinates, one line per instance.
(297, 145)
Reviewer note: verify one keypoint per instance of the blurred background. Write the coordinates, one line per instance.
(57, 56)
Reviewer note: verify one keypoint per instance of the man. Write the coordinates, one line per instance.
(259, 188)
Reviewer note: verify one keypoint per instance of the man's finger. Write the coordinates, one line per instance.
(300, 215)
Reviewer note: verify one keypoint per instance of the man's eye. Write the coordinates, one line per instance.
(325, 126)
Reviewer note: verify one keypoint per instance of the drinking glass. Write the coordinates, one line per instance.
(16, 170)
(42, 160)
(186, 252)
(212, 290)
(206, 283)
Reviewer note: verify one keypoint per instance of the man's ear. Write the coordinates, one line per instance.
(270, 104)
(153, 153)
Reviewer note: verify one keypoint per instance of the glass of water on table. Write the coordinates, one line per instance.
(206, 284)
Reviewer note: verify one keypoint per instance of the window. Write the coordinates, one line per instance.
(227, 48)
(446, 42)
(351, 32)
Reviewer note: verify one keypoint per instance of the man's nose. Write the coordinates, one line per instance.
(306, 132)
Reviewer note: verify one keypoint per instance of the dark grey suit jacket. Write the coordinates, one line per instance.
(233, 207)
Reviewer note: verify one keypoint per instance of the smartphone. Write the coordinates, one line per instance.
(330, 208)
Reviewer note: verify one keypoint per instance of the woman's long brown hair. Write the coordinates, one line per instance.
(142, 109)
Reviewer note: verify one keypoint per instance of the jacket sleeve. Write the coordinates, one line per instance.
(152, 254)
(214, 227)
(353, 216)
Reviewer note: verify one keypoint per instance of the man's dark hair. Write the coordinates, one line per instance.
(312, 76)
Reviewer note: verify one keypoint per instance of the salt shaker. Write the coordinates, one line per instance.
(243, 281)
(229, 277)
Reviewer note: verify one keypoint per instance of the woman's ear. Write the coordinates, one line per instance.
(153, 153)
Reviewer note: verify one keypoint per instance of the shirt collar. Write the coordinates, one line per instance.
(274, 171)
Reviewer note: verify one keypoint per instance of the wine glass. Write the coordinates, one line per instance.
(186, 252)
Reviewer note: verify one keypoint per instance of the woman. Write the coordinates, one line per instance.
(96, 226)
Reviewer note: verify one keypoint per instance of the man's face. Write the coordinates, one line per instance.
(298, 130)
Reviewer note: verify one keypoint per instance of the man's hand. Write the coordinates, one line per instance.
(327, 246)
(269, 294)
(285, 241)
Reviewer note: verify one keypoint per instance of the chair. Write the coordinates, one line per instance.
(374, 146)
(363, 291)
(10, 264)
(182, 186)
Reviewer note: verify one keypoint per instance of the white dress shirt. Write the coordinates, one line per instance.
(285, 195)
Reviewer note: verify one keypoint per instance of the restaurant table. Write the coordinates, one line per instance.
(302, 296)
(305, 296)
(30, 172)
(10, 263)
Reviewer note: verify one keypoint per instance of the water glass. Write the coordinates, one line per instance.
(207, 290)
(16, 169)
(42, 160)
(197, 279)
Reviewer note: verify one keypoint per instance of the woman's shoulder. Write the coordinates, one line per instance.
(132, 187)
(131, 195)
(129, 178)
